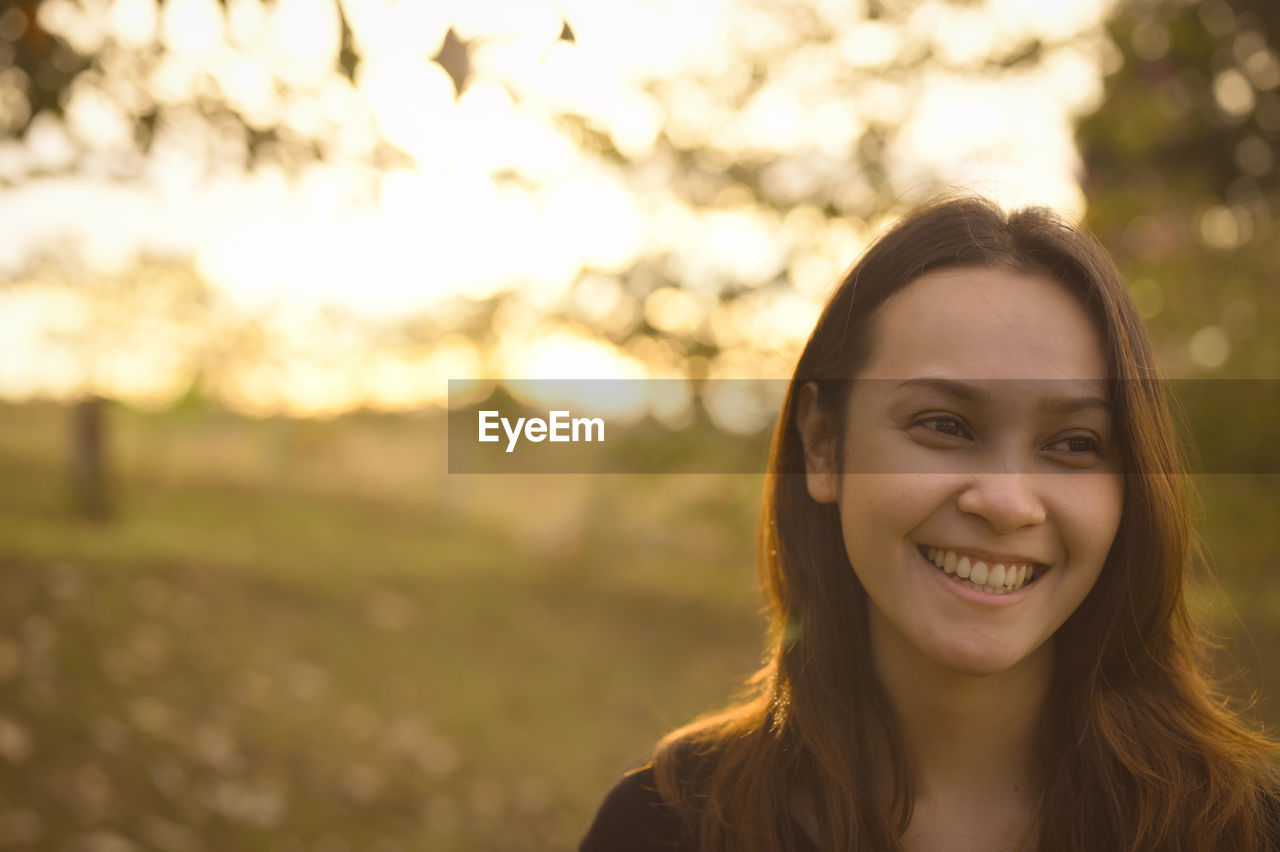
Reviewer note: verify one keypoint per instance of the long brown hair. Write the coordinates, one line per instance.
(1140, 750)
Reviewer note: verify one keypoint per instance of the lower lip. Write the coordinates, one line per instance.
(971, 594)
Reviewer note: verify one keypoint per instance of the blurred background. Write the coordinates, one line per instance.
(246, 244)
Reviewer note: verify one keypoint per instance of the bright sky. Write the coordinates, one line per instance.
(388, 243)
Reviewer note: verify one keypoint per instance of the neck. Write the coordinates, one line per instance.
(969, 736)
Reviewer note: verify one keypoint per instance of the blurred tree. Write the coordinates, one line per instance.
(728, 136)
(90, 497)
(763, 165)
(1180, 172)
(50, 56)
(795, 142)
(154, 321)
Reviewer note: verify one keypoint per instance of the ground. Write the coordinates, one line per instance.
(309, 636)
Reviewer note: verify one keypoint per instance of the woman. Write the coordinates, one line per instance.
(974, 543)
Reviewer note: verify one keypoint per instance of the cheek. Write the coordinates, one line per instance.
(1098, 502)
(878, 512)
(870, 500)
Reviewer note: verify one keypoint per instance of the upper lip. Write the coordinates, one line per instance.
(991, 556)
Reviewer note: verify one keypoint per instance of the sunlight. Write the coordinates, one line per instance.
(673, 310)
(597, 217)
(564, 353)
(305, 37)
(870, 44)
(31, 367)
(552, 174)
(425, 130)
(739, 245)
(192, 27)
(747, 389)
(134, 22)
(1007, 140)
(151, 377)
(1049, 19)
(532, 24)
(566, 366)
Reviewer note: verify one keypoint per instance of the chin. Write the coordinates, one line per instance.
(977, 662)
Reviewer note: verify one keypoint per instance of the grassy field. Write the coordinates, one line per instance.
(308, 636)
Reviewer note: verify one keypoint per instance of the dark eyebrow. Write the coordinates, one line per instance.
(950, 387)
(966, 392)
(1070, 405)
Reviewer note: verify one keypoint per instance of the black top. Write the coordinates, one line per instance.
(633, 818)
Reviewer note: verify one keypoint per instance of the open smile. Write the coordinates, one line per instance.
(991, 577)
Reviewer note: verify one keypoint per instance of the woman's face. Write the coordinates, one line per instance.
(978, 436)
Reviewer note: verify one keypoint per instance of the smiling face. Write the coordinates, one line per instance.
(978, 485)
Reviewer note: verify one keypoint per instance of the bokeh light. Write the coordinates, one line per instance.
(556, 162)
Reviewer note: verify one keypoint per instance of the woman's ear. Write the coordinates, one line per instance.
(821, 477)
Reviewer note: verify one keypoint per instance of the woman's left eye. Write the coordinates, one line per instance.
(1077, 445)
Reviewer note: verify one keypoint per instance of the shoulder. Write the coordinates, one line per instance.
(634, 818)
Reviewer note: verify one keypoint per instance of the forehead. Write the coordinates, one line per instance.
(982, 323)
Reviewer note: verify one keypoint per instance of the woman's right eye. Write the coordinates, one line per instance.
(944, 424)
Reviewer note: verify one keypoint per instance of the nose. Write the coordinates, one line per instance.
(1007, 501)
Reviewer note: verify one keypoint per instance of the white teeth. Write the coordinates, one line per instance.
(996, 579)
